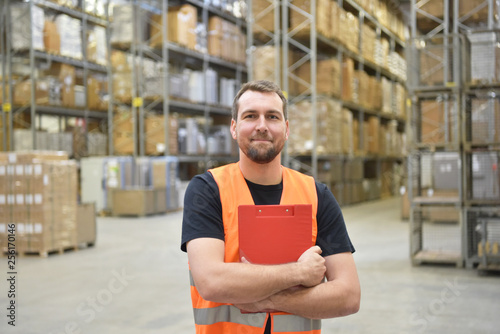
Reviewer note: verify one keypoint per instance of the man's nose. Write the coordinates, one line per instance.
(261, 124)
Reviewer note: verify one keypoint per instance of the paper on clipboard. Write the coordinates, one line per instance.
(274, 234)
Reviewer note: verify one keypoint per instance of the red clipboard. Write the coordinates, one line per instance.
(274, 234)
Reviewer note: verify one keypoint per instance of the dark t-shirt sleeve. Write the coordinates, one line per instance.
(202, 210)
(332, 232)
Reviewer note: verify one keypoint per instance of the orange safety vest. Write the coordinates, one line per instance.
(216, 318)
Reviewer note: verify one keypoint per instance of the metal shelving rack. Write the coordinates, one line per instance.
(452, 168)
(166, 54)
(35, 58)
(314, 45)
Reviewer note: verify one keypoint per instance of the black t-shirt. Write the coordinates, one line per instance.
(203, 215)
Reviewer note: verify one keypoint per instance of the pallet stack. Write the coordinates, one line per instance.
(39, 196)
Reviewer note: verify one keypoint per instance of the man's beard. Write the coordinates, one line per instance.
(262, 158)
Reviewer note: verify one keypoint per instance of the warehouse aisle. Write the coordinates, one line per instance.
(135, 280)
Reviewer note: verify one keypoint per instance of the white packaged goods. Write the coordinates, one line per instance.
(70, 31)
(25, 25)
(228, 90)
(96, 46)
(122, 26)
(212, 86)
(196, 87)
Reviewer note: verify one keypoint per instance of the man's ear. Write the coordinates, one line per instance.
(233, 128)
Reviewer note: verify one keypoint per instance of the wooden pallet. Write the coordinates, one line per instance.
(436, 257)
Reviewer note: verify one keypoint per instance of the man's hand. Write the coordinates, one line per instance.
(313, 265)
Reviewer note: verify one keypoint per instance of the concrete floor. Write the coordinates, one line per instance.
(135, 280)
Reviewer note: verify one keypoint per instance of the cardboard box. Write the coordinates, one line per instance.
(67, 77)
(373, 135)
(155, 135)
(86, 228)
(22, 93)
(215, 36)
(264, 22)
(51, 38)
(182, 22)
(347, 79)
(133, 202)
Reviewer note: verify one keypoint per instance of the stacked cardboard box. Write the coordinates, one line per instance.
(331, 122)
(51, 37)
(40, 198)
(368, 43)
(226, 40)
(322, 20)
(353, 181)
(123, 132)
(264, 21)
(66, 75)
(382, 48)
(182, 22)
(47, 91)
(347, 132)
(347, 79)
(155, 135)
(327, 77)
(373, 135)
(349, 30)
(97, 93)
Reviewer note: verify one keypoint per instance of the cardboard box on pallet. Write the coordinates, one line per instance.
(133, 202)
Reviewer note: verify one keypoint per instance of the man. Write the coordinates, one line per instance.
(230, 295)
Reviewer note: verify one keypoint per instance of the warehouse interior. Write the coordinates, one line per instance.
(110, 107)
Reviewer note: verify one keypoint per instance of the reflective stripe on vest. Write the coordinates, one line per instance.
(217, 318)
(283, 323)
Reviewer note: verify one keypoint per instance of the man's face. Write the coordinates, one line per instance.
(261, 129)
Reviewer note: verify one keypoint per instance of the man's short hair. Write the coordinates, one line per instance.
(263, 86)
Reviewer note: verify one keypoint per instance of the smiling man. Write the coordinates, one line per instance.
(230, 295)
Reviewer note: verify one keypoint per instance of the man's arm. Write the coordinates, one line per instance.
(222, 282)
(338, 296)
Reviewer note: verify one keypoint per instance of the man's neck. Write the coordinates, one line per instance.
(263, 174)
